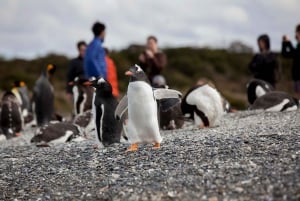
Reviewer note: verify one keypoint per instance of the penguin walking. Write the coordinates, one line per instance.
(82, 96)
(43, 98)
(11, 119)
(56, 133)
(275, 101)
(203, 104)
(257, 88)
(107, 127)
(143, 126)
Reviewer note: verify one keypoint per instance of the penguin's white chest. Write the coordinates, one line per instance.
(142, 114)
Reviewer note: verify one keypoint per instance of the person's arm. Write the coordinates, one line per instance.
(254, 64)
(287, 49)
(98, 60)
(70, 77)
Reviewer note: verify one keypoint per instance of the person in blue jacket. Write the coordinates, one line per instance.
(94, 61)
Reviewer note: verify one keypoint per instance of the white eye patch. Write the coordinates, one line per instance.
(101, 80)
(138, 68)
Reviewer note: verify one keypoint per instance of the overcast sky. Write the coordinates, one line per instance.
(30, 28)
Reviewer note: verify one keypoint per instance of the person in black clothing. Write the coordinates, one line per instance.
(289, 51)
(76, 68)
(152, 60)
(264, 65)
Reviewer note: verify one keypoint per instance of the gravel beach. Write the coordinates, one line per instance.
(251, 155)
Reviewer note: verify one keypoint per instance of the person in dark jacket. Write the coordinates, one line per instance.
(76, 68)
(264, 65)
(152, 60)
(288, 51)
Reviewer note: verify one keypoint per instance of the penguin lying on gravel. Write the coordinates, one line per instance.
(56, 133)
(203, 104)
(11, 118)
(82, 96)
(141, 102)
(108, 128)
(275, 101)
(257, 88)
(43, 97)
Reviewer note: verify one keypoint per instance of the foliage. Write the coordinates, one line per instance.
(227, 69)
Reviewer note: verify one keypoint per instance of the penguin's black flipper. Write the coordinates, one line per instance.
(121, 108)
(162, 93)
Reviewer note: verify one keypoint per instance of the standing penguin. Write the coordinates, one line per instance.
(203, 104)
(20, 90)
(256, 88)
(275, 101)
(11, 119)
(82, 96)
(108, 128)
(43, 97)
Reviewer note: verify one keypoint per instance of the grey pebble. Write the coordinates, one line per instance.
(251, 155)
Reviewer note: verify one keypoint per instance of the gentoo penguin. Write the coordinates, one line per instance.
(108, 128)
(170, 115)
(203, 104)
(142, 110)
(56, 133)
(257, 88)
(11, 119)
(43, 97)
(275, 101)
(82, 96)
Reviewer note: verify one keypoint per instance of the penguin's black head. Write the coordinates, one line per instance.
(101, 85)
(136, 73)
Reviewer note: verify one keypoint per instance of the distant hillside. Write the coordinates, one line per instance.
(227, 69)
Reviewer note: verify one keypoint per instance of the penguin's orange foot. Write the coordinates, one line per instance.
(156, 145)
(133, 147)
(18, 134)
(202, 126)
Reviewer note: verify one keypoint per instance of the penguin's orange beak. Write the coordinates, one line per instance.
(87, 83)
(128, 73)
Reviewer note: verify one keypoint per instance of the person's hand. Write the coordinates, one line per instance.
(142, 58)
(285, 38)
(149, 53)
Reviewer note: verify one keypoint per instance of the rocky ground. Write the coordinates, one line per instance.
(251, 155)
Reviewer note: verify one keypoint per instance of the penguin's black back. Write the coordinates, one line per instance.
(272, 99)
(111, 128)
(43, 99)
(11, 120)
(251, 89)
